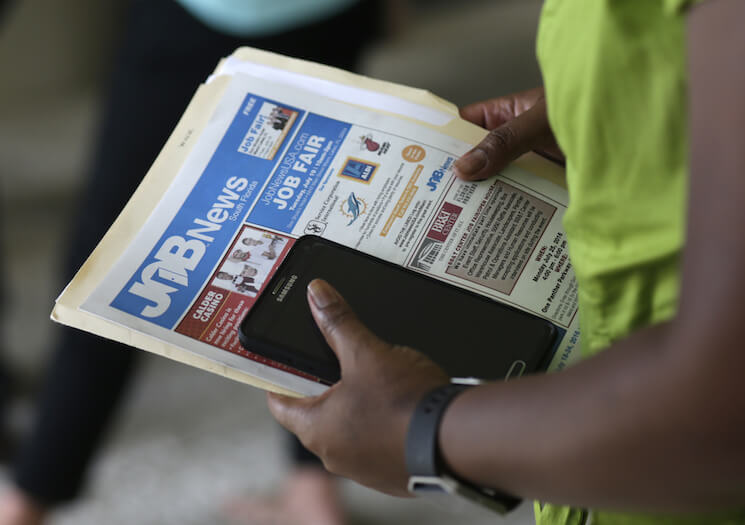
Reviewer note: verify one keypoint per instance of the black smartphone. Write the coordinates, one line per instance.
(467, 334)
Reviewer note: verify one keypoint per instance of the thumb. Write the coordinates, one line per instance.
(504, 144)
(344, 332)
(293, 413)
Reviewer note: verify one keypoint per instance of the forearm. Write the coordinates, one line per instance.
(635, 427)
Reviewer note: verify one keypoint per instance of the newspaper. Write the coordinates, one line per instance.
(273, 148)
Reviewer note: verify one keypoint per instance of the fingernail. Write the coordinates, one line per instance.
(322, 294)
(472, 162)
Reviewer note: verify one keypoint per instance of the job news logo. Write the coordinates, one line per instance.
(179, 255)
(439, 173)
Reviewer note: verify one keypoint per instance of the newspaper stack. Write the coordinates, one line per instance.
(271, 148)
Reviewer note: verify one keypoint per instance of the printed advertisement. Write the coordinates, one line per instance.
(276, 164)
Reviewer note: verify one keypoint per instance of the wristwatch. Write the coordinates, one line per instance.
(427, 471)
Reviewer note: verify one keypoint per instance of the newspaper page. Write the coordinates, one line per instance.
(276, 162)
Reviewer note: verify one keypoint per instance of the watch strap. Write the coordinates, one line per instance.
(422, 451)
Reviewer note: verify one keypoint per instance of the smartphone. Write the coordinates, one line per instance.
(467, 334)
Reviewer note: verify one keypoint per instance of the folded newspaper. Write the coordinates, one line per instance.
(271, 148)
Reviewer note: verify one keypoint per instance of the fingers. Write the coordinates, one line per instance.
(493, 113)
(504, 144)
(341, 328)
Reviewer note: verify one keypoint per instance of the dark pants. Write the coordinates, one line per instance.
(164, 55)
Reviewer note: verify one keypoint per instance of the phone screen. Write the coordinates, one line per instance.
(467, 334)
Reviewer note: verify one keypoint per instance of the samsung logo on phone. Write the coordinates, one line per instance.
(287, 287)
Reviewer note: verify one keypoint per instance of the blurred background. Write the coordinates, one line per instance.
(186, 441)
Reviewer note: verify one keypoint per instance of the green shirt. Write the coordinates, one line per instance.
(615, 78)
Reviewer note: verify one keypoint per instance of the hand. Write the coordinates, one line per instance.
(358, 426)
(517, 123)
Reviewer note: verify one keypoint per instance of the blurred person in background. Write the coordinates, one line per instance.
(167, 49)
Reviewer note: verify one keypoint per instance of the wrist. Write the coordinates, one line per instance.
(428, 471)
(422, 448)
